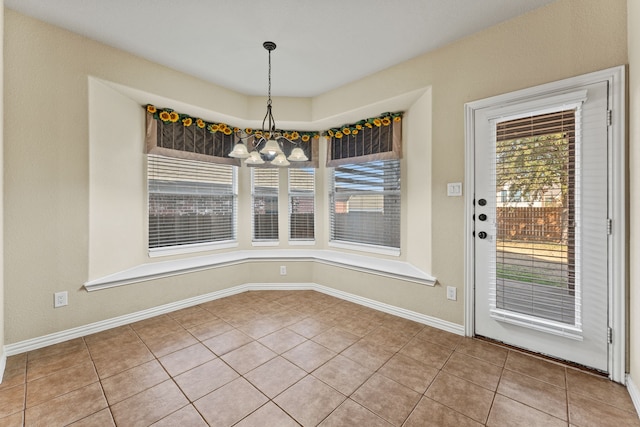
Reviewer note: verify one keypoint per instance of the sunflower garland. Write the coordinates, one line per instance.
(384, 119)
(167, 115)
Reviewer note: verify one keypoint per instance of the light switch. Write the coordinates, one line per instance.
(454, 189)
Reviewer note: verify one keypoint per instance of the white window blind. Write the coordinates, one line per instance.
(537, 182)
(365, 203)
(190, 202)
(264, 201)
(301, 204)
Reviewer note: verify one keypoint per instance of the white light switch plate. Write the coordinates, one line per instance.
(454, 189)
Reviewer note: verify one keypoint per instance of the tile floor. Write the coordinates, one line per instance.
(288, 358)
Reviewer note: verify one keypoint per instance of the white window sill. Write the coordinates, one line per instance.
(388, 268)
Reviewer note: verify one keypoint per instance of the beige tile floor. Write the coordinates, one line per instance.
(288, 358)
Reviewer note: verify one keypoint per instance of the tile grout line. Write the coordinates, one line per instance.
(319, 317)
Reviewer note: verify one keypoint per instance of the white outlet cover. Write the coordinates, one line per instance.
(60, 299)
(454, 189)
(452, 293)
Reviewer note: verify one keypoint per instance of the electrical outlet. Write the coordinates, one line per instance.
(60, 299)
(452, 293)
(283, 270)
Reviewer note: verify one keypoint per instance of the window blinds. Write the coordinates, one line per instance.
(537, 205)
(301, 204)
(264, 201)
(190, 202)
(365, 203)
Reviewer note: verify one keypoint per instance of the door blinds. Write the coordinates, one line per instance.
(536, 209)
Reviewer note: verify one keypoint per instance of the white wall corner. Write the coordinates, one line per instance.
(634, 392)
(3, 364)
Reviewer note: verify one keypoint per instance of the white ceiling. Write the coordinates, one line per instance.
(321, 44)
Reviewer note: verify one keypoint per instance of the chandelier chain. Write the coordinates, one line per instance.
(269, 100)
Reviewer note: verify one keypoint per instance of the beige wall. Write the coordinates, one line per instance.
(58, 128)
(633, 19)
(564, 39)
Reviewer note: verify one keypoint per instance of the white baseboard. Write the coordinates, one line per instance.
(634, 392)
(391, 309)
(92, 328)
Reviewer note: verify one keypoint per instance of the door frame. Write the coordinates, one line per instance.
(617, 165)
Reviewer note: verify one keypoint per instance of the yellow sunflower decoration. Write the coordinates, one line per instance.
(169, 116)
(385, 119)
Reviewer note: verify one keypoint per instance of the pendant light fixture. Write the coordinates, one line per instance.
(269, 140)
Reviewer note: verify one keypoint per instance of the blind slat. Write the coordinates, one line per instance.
(365, 203)
(301, 204)
(264, 201)
(190, 202)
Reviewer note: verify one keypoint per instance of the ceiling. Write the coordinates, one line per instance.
(322, 45)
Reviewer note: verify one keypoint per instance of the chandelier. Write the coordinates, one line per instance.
(268, 146)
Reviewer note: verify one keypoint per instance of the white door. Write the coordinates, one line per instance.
(541, 224)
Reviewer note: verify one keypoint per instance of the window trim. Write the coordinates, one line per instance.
(363, 247)
(194, 248)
